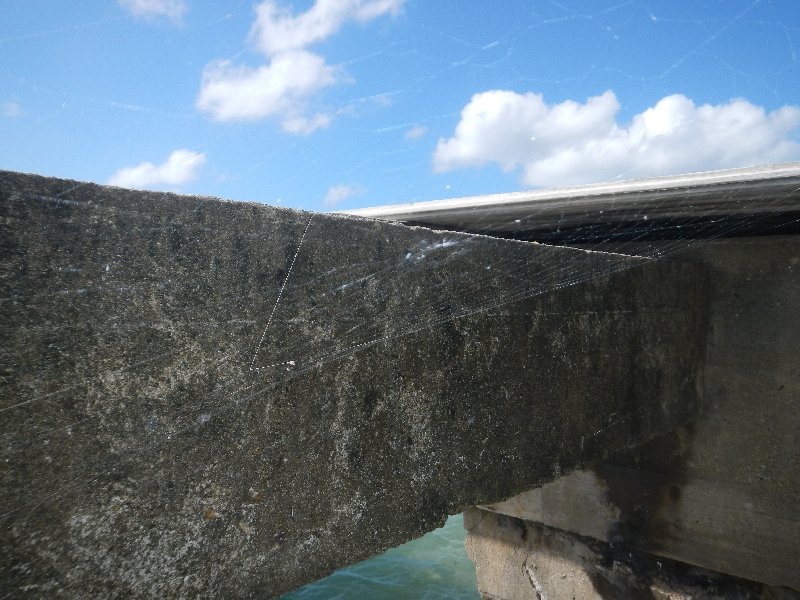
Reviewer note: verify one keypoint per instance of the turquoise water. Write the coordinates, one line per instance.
(432, 567)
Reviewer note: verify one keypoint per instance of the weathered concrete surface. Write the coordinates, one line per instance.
(722, 492)
(211, 399)
(523, 560)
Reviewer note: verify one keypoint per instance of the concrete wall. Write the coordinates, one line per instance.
(721, 493)
(210, 399)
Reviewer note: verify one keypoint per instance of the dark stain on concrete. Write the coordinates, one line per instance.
(646, 484)
(616, 572)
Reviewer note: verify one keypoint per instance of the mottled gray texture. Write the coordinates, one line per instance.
(210, 399)
(723, 491)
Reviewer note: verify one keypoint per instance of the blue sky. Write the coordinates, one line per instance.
(346, 103)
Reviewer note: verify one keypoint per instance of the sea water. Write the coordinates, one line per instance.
(433, 567)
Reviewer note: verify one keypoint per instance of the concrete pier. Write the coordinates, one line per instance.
(709, 510)
(211, 399)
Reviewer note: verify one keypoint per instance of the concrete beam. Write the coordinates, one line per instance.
(711, 204)
(721, 493)
(203, 398)
(518, 559)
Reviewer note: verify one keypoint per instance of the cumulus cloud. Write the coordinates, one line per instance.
(283, 87)
(180, 167)
(232, 92)
(571, 142)
(169, 9)
(338, 193)
(277, 30)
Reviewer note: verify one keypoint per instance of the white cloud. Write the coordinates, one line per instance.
(416, 132)
(338, 193)
(10, 109)
(181, 167)
(284, 86)
(169, 9)
(277, 30)
(572, 143)
(232, 92)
